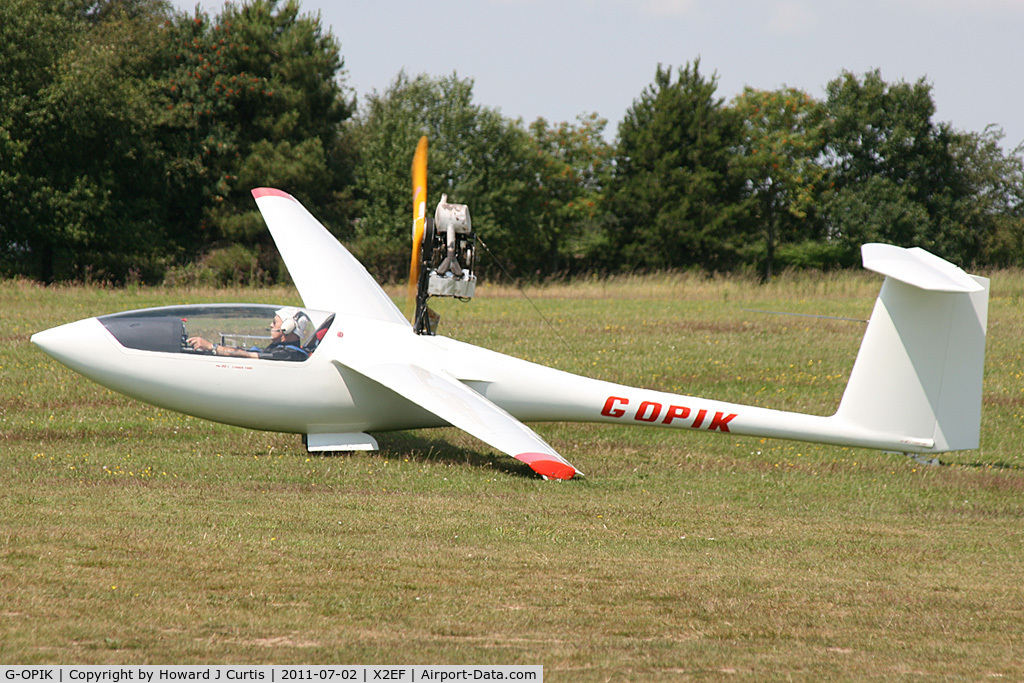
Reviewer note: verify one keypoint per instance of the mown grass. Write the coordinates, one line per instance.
(129, 534)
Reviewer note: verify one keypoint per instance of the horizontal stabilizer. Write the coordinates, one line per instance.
(917, 267)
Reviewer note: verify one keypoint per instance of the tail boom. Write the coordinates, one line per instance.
(915, 386)
(555, 396)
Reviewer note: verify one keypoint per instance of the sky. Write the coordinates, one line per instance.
(559, 59)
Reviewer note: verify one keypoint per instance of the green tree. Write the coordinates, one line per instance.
(997, 190)
(676, 198)
(477, 157)
(877, 210)
(131, 135)
(890, 159)
(574, 170)
(780, 152)
(256, 98)
(81, 169)
(32, 36)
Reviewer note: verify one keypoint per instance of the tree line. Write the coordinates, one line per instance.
(132, 133)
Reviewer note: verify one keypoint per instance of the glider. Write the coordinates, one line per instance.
(915, 386)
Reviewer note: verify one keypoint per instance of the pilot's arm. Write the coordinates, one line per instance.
(200, 344)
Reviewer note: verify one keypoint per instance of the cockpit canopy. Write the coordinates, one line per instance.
(244, 326)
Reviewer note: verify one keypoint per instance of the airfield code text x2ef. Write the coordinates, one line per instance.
(269, 674)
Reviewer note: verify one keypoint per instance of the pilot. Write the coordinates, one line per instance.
(290, 327)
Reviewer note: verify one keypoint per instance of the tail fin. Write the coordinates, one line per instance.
(919, 370)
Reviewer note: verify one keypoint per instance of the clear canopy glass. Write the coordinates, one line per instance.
(244, 326)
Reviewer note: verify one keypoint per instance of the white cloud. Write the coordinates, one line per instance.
(1016, 6)
(790, 17)
(658, 8)
(672, 8)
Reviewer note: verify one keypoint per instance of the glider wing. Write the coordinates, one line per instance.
(455, 403)
(327, 276)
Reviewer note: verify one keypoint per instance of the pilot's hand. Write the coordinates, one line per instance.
(199, 344)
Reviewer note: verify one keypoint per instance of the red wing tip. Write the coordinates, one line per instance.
(270, 192)
(545, 466)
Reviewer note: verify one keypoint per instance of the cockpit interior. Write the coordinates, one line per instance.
(244, 326)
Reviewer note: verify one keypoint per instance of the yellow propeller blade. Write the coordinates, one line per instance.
(419, 215)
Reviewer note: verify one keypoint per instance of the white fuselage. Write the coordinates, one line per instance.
(322, 395)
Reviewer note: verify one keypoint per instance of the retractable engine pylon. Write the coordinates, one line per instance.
(449, 259)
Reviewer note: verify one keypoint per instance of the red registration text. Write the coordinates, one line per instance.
(654, 412)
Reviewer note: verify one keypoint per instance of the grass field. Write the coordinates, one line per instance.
(129, 534)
